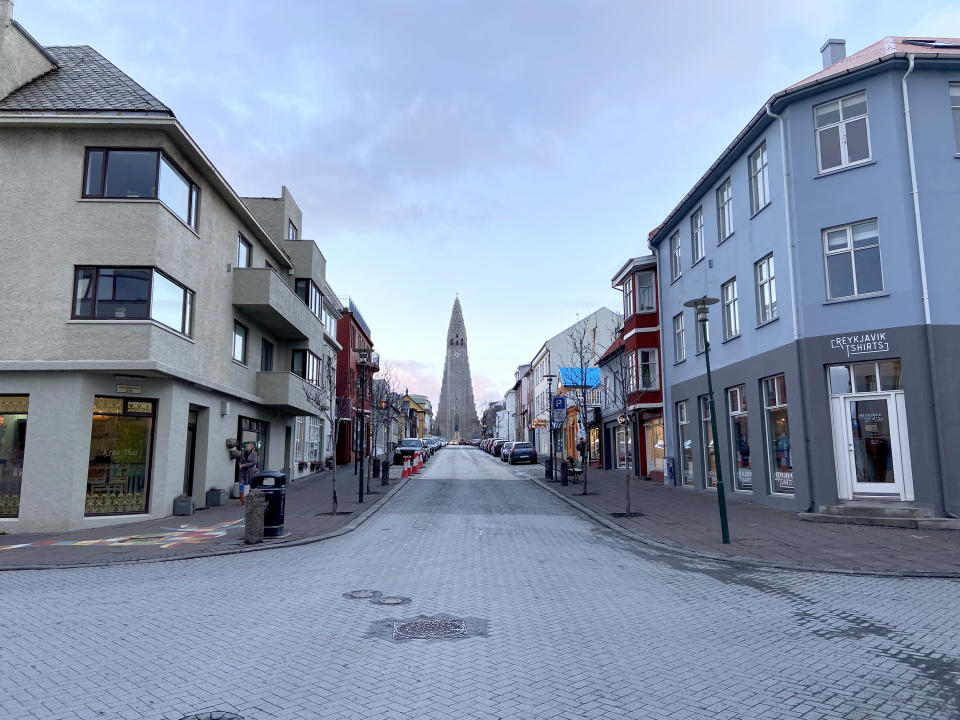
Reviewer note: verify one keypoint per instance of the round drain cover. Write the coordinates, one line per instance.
(362, 594)
(430, 629)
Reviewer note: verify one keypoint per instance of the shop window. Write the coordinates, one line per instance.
(778, 435)
(865, 377)
(740, 438)
(653, 437)
(121, 445)
(706, 442)
(251, 430)
(685, 443)
(624, 444)
(13, 439)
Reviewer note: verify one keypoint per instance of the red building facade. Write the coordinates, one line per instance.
(353, 333)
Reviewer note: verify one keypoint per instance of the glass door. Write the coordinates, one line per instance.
(874, 445)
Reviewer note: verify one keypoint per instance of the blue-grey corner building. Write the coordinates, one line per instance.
(828, 230)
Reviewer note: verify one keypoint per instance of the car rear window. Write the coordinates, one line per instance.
(522, 445)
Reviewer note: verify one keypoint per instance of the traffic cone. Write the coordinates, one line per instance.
(420, 456)
(406, 468)
(416, 463)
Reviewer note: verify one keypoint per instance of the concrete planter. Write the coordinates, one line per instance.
(216, 496)
(183, 506)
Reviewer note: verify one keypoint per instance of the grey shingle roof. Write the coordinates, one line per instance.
(84, 80)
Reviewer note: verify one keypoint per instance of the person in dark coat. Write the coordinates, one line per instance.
(249, 462)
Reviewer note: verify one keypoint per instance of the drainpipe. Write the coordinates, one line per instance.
(925, 295)
(792, 265)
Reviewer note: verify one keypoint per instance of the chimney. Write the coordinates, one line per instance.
(833, 51)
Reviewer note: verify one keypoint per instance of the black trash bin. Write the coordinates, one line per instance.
(273, 483)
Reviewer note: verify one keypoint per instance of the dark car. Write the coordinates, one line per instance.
(505, 450)
(406, 449)
(496, 447)
(522, 452)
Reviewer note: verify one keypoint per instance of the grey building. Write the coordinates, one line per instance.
(151, 316)
(827, 231)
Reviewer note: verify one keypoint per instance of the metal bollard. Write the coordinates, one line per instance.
(254, 505)
(376, 467)
(385, 473)
(548, 468)
(563, 472)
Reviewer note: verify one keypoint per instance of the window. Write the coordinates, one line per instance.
(239, 342)
(766, 290)
(645, 292)
(649, 378)
(731, 311)
(306, 365)
(843, 135)
(244, 252)
(121, 440)
(696, 236)
(266, 355)
(631, 382)
(778, 435)
(292, 232)
(703, 335)
(329, 322)
(628, 309)
(724, 211)
(308, 291)
(679, 351)
(685, 444)
(865, 377)
(108, 293)
(706, 442)
(759, 181)
(955, 109)
(13, 442)
(674, 256)
(852, 260)
(653, 434)
(740, 438)
(147, 174)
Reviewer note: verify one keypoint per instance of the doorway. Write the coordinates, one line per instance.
(189, 461)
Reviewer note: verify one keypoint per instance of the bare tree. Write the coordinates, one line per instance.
(582, 381)
(383, 408)
(333, 408)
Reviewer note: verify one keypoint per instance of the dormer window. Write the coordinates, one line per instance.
(141, 174)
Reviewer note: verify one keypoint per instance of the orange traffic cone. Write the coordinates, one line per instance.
(416, 463)
(406, 468)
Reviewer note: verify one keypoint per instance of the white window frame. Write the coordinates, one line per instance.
(650, 362)
(628, 304)
(849, 248)
(696, 236)
(842, 125)
(737, 407)
(731, 309)
(676, 269)
(240, 342)
(766, 285)
(780, 403)
(759, 179)
(679, 349)
(631, 379)
(955, 111)
(724, 210)
(639, 307)
(703, 334)
(683, 420)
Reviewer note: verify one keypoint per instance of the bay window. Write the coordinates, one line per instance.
(132, 293)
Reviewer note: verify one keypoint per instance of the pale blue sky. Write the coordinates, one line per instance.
(515, 152)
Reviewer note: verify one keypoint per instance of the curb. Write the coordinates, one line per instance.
(683, 550)
(349, 527)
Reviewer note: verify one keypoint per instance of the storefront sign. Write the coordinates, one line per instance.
(862, 344)
(129, 389)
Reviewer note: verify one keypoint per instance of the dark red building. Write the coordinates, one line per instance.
(353, 333)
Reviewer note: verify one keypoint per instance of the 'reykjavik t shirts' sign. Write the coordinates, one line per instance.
(861, 344)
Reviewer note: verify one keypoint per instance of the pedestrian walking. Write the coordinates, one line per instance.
(249, 462)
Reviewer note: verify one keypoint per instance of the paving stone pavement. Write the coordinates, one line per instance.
(564, 619)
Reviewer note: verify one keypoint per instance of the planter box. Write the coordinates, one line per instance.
(215, 497)
(183, 506)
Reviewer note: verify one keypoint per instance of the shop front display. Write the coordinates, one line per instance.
(121, 446)
(13, 438)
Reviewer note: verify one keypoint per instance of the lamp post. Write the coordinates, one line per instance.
(365, 361)
(702, 308)
(549, 469)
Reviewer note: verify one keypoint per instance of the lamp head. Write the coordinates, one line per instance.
(702, 306)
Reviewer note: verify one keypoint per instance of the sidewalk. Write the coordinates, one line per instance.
(689, 520)
(211, 531)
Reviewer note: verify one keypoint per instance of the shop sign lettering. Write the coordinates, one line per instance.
(130, 389)
(861, 344)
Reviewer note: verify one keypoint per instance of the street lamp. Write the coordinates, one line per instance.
(702, 308)
(548, 470)
(366, 360)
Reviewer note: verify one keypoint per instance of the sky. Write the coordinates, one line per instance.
(517, 153)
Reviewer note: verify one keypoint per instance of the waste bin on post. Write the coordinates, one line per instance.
(273, 483)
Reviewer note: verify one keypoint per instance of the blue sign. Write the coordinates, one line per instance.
(560, 403)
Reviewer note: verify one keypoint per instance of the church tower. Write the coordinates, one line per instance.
(457, 414)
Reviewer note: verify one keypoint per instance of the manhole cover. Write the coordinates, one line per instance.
(362, 594)
(429, 630)
(389, 600)
(216, 715)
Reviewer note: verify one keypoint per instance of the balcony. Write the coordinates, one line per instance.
(268, 300)
(285, 392)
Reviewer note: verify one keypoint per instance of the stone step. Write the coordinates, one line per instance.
(866, 508)
(911, 523)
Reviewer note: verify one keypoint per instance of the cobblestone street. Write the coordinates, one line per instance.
(545, 615)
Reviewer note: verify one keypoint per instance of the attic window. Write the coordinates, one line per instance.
(934, 44)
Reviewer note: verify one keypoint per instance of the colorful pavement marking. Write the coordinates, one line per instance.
(184, 535)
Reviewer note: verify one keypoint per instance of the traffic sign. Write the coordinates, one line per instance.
(559, 402)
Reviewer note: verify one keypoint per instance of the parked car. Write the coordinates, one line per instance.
(497, 446)
(406, 449)
(505, 450)
(522, 452)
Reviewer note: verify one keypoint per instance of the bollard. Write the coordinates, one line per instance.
(376, 467)
(254, 505)
(548, 468)
(385, 473)
(563, 472)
